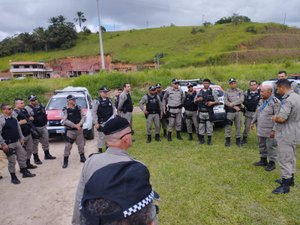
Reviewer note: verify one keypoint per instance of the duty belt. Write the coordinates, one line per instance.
(203, 110)
(11, 141)
(175, 107)
(153, 112)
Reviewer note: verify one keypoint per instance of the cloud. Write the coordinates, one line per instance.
(25, 15)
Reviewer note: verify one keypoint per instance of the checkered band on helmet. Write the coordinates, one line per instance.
(139, 206)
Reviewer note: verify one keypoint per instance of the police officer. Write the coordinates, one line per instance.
(206, 99)
(11, 140)
(38, 112)
(118, 137)
(172, 103)
(117, 96)
(103, 110)
(287, 134)
(283, 75)
(125, 106)
(252, 97)
(265, 128)
(233, 99)
(190, 110)
(24, 120)
(152, 111)
(73, 119)
(164, 119)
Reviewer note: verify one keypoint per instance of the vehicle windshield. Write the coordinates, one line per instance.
(60, 103)
(220, 93)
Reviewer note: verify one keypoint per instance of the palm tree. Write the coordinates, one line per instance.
(80, 18)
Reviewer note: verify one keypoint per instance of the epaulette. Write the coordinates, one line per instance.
(276, 100)
(92, 154)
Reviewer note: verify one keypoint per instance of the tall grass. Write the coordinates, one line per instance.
(141, 80)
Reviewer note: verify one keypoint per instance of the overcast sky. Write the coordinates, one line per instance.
(25, 15)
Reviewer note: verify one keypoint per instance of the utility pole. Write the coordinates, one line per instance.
(100, 38)
(284, 18)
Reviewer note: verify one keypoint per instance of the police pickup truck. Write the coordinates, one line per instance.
(219, 111)
(59, 100)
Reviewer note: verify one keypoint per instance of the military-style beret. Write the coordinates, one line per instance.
(115, 125)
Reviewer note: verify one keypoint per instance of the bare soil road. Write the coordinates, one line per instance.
(47, 198)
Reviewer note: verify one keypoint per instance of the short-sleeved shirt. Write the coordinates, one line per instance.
(289, 131)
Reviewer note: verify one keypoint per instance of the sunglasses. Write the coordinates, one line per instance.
(131, 132)
(9, 108)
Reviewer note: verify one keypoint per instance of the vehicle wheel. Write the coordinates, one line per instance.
(90, 134)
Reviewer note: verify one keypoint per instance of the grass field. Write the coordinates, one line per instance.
(198, 184)
(212, 45)
(213, 185)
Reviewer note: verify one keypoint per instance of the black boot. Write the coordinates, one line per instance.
(292, 181)
(284, 187)
(201, 139)
(209, 141)
(165, 133)
(262, 162)
(100, 150)
(30, 166)
(48, 155)
(227, 142)
(178, 136)
(244, 140)
(14, 179)
(82, 158)
(169, 136)
(149, 138)
(271, 166)
(238, 142)
(66, 162)
(190, 136)
(26, 173)
(37, 159)
(157, 138)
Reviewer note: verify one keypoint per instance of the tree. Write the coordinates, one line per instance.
(234, 19)
(42, 37)
(80, 18)
(61, 34)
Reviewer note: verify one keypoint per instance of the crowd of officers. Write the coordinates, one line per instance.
(22, 129)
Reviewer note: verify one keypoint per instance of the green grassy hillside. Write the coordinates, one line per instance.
(217, 44)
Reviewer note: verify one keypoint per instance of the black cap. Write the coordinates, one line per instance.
(104, 89)
(71, 97)
(158, 85)
(115, 125)
(175, 81)
(190, 85)
(32, 98)
(124, 183)
(232, 79)
(152, 88)
(284, 82)
(206, 80)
